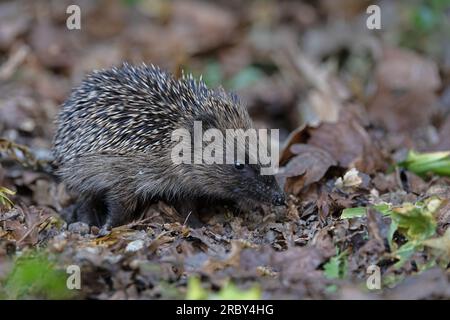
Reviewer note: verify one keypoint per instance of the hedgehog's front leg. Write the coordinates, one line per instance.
(116, 215)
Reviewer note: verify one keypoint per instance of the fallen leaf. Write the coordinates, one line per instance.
(353, 213)
(431, 284)
(401, 69)
(349, 143)
(200, 26)
(308, 166)
(351, 179)
(405, 99)
(441, 243)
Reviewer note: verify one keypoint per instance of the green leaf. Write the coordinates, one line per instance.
(131, 3)
(358, 212)
(231, 292)
(391, 280)
(424, 19)
(4, 199)
(195, 290)
(390, 235)
(36, 276)
(331, 268)
(353, 212)
(405, 252)
(422, 163)
(417, 221)
(441, 244)
(336, 268)
(384, 208)
(439, 167)
(332, 288)
(213, 74)
(245, 77)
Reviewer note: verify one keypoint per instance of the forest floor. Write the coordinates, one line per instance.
(366, 216)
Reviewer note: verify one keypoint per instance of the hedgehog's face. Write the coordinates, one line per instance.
(250, 185)
(239, 180)
(242, 183)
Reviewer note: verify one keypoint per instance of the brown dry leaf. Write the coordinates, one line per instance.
(24, 226)
(17, 57)
(162, 213)
(413, 183)
(100, 56)
(405, 99)
(298, 136)
(349, 143)
(34, 218)
(430, 284)
(320, 107)
(328, 95)
(161, 239)
(201, 26)
(17, 113)
(113, 237)
(443, 218)
(231, 260)
(144, 42)
(51, 87)
(299, 264)
(323, 205)
(385, 182)
(324, 243)
(400, 69)
(201, 241)
(13, 229)
(302, 13)
(309, 165)
(14, 21)
(43, 193)
(251, 260)
(402, 111)
(377, 226)
(104, 20)
(369, 253)
(344, 8)
(169, 212)
(444, 136)
(268, 97)
(53, 46)
(441, 244)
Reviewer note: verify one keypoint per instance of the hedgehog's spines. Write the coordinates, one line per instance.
(135, 109)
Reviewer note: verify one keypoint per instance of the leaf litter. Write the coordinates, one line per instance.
(364, 163)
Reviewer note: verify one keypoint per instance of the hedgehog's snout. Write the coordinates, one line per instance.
(279, 199)
(272, 194)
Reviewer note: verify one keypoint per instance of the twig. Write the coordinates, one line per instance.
(32, 229)
(13, 62)
(187, 218)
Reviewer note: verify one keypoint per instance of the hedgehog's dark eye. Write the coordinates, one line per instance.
(238, 165)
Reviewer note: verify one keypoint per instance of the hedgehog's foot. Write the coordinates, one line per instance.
(86, 210)
(116, 214)
(189, 211)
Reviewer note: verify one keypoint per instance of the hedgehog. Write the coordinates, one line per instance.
(113, 142)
